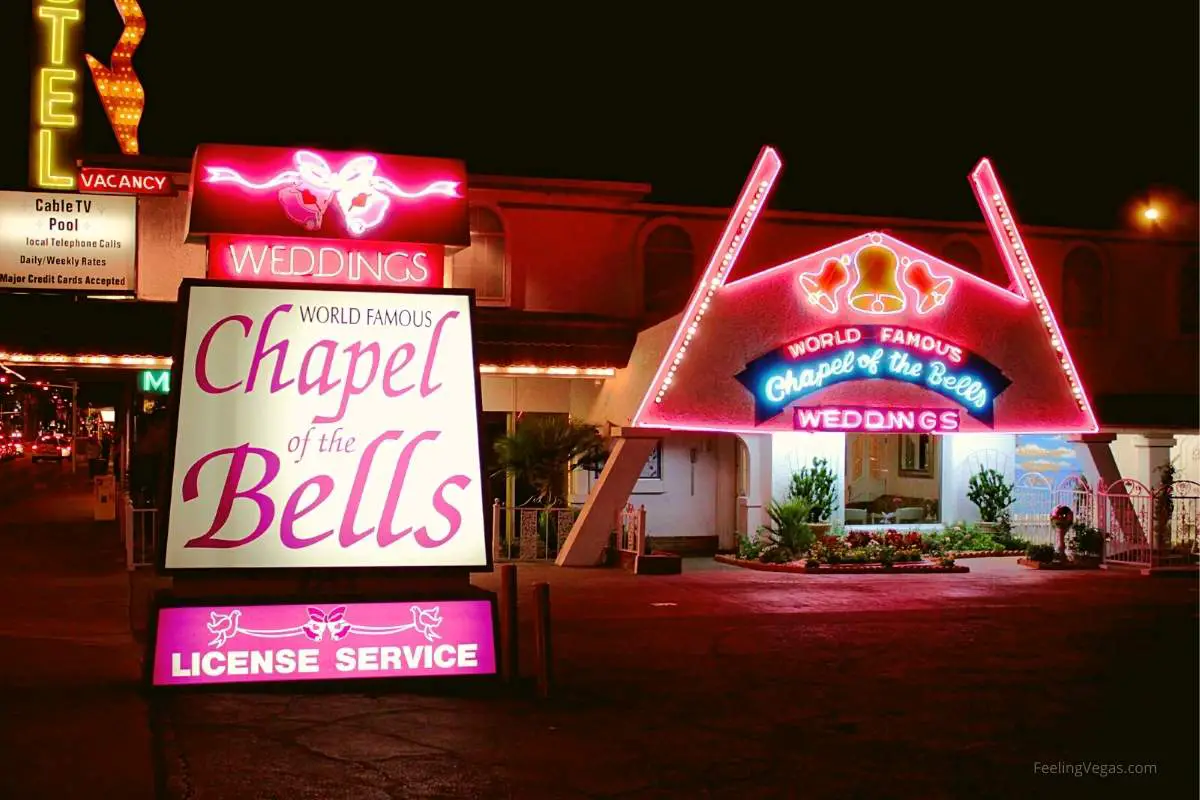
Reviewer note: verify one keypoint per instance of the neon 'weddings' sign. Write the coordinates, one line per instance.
(310, 186)
(872, 352)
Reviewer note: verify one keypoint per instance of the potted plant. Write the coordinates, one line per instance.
(542, 450)
(992, 494)
(815, 487)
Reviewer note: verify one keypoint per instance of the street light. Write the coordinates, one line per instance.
(1152, 214)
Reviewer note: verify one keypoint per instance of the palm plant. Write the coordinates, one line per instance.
(543, 448)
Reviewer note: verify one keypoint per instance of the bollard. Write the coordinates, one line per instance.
(541, 636)
(510, 655)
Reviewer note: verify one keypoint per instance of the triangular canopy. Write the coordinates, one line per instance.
(871, 334)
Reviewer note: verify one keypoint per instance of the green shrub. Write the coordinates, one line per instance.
(815, 486)
(1041, 553)
(961, 539)
(1085, 540)
(990, 493)
(749, 549)
(789, 527)
(774, 554)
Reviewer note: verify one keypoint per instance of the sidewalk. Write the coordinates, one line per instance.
(72, 721)
(725, 683)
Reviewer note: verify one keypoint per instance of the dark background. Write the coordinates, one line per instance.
(1083, 107)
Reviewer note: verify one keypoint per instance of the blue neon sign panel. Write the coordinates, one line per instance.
(867, 353)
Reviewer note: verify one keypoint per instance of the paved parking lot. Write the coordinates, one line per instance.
(736, 684)
(717, 683)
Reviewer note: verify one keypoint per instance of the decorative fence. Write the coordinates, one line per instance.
(139, 531)
(631, 529)
(1142, 528)
(529, 533)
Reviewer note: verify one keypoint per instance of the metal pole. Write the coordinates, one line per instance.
(509, 627)
(541, 635)
(74, 425)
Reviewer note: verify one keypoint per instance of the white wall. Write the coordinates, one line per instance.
(691, 499)
(964, 454)
(791, 451)
(1185, 455)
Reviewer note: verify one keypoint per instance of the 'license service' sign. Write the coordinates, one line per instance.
(326, 428)
(68, 242)
(327, 641)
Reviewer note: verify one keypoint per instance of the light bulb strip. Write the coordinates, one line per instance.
(1003, 226)
(164, 362)
(741, 221)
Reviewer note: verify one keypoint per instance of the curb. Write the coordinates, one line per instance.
(838, 569)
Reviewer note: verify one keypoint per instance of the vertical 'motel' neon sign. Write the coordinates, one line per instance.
(55, 119)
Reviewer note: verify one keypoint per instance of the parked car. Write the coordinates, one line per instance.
(51, 447)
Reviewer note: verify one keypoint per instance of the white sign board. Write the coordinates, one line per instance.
(326, 428)
(68, 242)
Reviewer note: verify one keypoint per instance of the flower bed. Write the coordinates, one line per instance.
(982, 554)
(922, 567)
(788, 540)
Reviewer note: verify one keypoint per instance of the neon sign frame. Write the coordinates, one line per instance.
(861, 419)
(873, 352)
(1025, 288)
(120, 90)
(56, 102)
(311, 186)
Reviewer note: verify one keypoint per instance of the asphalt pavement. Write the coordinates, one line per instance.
(718, 683)
(73, 723)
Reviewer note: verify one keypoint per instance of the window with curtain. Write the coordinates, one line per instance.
(668, 270)
(1083, 289)
(484, 265)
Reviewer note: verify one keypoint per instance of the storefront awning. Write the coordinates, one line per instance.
(47, 324)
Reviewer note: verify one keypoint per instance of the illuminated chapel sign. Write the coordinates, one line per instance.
(869, 353)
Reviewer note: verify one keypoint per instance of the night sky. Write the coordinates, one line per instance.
(1081, 112)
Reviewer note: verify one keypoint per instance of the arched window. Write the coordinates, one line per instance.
(1189, 297)
(963, 254)
(483, 266)
(1083, 289)
(668, 270)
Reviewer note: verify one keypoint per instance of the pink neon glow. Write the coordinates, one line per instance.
(741, 221)
(822, 287)
(348, 263)
(326, 641)
(311, 186)
(931, 291)
(875, 420)
(877, 291)
(991, 198)
(844, 250)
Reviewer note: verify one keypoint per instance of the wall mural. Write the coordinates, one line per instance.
(1049, 455)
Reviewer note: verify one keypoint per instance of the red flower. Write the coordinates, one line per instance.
(893, 538)
(912, 539)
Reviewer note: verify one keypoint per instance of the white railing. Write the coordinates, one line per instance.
(1142, 527)
(139, 530)
(529, 533)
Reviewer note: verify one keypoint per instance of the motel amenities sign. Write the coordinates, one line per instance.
(326, 428)
(68, 242)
